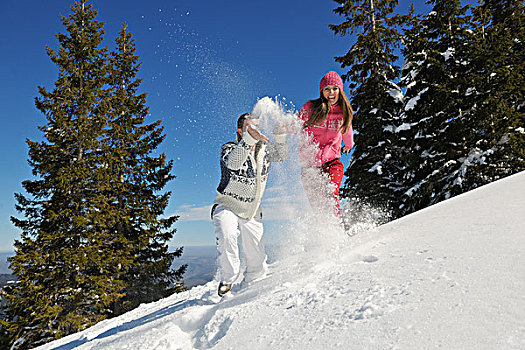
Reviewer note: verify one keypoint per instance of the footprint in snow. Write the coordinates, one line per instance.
(370, 259)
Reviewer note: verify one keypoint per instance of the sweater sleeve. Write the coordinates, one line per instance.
(348, 138)
(234, 157)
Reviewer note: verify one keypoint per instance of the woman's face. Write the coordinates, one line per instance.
(331, 93)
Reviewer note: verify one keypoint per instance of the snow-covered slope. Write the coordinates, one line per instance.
(451, 276)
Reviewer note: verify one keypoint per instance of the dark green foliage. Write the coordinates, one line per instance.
(93, 242)
(133, 177)
(496, 119)
(460, 124)
(376, 99)
(464, 89)
(433, 75)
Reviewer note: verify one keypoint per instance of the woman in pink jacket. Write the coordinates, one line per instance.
(327, 123)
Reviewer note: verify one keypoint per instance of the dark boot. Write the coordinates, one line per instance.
(224, 288)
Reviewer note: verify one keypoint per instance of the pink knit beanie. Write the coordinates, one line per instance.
(331, 78)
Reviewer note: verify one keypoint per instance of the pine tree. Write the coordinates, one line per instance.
(496, 119)
(91, 226)
(133, 178)
(373, 172)
(56, 294)
(435, 81)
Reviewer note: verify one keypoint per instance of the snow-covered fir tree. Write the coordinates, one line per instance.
(495, 120)
(92, 237)
(373, 172)
(434, 76)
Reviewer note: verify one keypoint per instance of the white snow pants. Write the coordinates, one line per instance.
(228, 227)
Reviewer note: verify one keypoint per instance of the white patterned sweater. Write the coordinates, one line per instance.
(244, 173)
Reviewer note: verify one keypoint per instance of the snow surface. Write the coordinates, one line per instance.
(450, 276)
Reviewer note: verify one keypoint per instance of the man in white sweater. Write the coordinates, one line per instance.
(245, 165)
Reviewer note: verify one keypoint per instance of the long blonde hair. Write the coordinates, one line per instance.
(320, 111)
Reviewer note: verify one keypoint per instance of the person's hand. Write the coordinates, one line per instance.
(345, 150)
(256, 134)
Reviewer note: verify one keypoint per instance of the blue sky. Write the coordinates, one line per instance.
(203, 64)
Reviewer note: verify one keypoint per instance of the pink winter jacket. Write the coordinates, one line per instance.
(325, 137)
